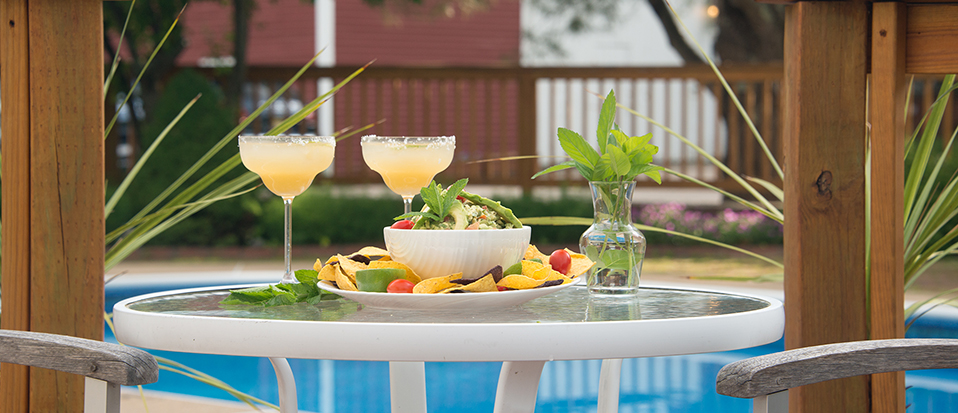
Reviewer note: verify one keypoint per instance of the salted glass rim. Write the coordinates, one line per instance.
(409, 139)
(292, 138)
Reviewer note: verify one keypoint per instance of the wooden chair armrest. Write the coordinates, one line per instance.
(109, 362)
(772, 373)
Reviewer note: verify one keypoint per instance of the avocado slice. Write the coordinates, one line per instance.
(457, 212)
(504, 212)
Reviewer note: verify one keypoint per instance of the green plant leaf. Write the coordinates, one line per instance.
(620, 139)
(724, 168)
(777, 192)
(733, 97)
(450, 196)
(652, 171)
(618, 161)
(606, 118)
(577, 148)
(553, 168)
(772, 213)
(603, 169)
(111, 203)
(588, 173)
(149, 60)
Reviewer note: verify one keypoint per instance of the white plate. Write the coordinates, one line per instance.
(447, 301)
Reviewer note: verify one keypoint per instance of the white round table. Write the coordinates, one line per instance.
(568, 325)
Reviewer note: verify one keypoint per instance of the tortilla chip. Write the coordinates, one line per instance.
(318, 265)
(410, 274)
(371, 252)
(518, 282)
(328, 272)
(580, 265)
(530, 268)
(482, 285)
(344, 282)
(533, 252)
(435, 285)
(349, 266)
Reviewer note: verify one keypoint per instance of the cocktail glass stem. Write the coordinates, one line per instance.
(407, 204)
(288, 239)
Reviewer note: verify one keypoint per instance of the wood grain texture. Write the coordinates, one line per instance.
(789, 369)
(66, 184)
(825, 72)
(15, 122)
(932, 34)
(887, 118)
(109, 362)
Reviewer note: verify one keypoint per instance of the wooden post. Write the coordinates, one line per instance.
(888, 90)
(825, 73)
(53, 247)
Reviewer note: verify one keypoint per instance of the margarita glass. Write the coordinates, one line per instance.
(408, 163)
(287, 166)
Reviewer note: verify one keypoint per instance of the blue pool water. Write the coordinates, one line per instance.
(679, 384)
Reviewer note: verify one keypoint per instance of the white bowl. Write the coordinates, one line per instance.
(436, 253)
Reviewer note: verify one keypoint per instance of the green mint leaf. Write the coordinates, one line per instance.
(253, 295)
(410, 215)
(618, 161)
(316, 298)
(553, 168)
(282, 298)
(606, 119)
(640, 157)
(451, 193)
(632, 145)
(587, 172)
(603, 169)
(649, 170)
(620, 139)
(432, 197)
(577, 148)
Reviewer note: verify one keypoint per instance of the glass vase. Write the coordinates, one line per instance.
(615, 245)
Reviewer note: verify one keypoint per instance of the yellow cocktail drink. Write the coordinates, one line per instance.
(407, 164)
(287, 166)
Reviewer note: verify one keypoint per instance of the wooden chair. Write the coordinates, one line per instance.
(766, 379)
(106, 366)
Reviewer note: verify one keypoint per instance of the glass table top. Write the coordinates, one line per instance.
(573, 304)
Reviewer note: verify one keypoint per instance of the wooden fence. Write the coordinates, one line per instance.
(506, 112)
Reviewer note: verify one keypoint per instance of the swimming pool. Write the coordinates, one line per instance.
(654, 385)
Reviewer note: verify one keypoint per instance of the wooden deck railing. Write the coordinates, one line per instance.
(505, 112)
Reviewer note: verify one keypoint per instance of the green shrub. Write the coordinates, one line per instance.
(228, 222)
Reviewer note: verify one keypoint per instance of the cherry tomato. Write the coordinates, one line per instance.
(561, 261)
(401, 285)
(403, 224)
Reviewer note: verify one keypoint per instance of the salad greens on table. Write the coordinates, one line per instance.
(282, 294)
(454, 208)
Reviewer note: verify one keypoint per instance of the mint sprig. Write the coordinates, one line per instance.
(282, 294)
(620, 157)
(438, 202)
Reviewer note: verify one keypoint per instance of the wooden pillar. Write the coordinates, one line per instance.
(53, 248)
(825, 73)
(888, 91)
